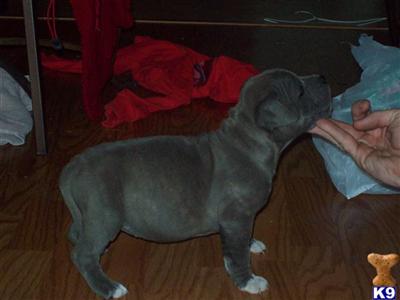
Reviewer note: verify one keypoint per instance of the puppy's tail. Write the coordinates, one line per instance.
(65, 185)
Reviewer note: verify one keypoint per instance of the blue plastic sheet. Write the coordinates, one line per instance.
(380, 83)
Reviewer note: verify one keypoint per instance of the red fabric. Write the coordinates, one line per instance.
(98, 22)
(167, 69)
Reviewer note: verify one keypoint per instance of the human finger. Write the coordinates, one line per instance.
(348, 128)
(341, 137)
(360, 109)
(375, 120)
(320, 132)
(317, 131)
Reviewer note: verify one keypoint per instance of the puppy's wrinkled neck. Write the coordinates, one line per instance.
(239, 133)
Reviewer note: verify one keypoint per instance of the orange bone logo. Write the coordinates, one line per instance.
(383, 264)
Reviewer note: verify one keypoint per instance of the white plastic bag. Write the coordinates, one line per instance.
(15, 106)
(380, 83)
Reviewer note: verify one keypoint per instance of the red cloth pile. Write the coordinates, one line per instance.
(176, 73)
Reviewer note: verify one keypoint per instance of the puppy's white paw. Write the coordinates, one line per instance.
(257, 247)
(119, 291)
(255, 285)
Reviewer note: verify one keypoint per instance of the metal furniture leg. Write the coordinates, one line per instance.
(36, 93)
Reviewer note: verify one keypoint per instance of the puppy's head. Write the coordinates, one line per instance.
(284, 104)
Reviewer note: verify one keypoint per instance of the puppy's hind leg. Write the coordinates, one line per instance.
(86, 254)
(76, 226)
(73, 233)
(236, 239)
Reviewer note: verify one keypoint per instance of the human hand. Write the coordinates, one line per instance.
(373, 141)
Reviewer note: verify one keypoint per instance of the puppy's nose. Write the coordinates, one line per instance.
(323, 79)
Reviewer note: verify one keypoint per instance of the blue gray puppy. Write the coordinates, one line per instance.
(173, 188)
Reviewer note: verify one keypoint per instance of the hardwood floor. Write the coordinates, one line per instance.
(317, 240)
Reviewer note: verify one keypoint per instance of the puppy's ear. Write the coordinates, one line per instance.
(271, 113)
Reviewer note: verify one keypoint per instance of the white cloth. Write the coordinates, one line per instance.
(15, 106)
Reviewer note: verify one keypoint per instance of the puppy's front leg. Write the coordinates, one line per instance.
(235, 238)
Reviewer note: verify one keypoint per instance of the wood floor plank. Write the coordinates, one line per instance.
(42, 214)
(21, 273)
(8, 228)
